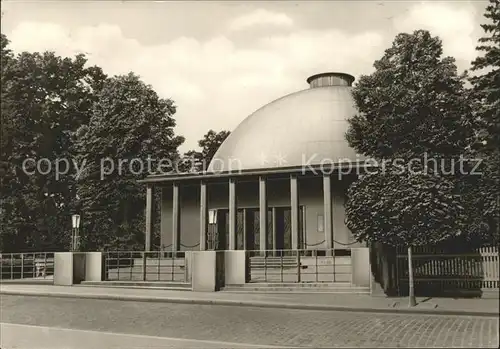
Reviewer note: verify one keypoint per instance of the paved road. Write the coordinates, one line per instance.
(184, 323)
(41, 337)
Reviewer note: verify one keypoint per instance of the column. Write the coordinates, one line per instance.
(232, 214)
(262, 214)
(203, 216)
(294, 201)
(175, 219)
(149, 217)
(327, 206)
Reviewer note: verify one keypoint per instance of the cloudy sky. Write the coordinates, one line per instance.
(221, 60)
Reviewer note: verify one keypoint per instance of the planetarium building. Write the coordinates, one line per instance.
(278, 182)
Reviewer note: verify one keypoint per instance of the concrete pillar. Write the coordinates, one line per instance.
(149, 217)
(232, 214)
(294, 202)
(327, 206)
(188, 270)
(235, 269)
(262, 214)
(175, 218)
(361, 269)
(94, 266)
(203, 216)
(207, 270)
(69, 268)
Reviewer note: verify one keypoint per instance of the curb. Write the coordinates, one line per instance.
(254, 304)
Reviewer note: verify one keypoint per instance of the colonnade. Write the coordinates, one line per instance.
(263, 212)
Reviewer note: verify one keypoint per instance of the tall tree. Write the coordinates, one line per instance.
(130, 128)
(45, 98)
(484, 195)
(7, 232)
(412, 108)
(209, 145)
(414, 103)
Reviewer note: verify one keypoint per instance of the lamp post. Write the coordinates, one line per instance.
(75, 238)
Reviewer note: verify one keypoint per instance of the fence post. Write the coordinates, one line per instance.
(186, 267)
(12, 266)
(265, 267)
(144, 261)
(22, 265)
(316, 267)
(412, 300)
(298, 265)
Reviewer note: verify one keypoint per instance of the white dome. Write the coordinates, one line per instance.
(305, 127)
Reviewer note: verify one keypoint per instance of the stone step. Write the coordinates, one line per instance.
(274, 258)
(259, 276)
(303, 262)
(150, 269)
(140, 284)
(296, 284)
(300, 290)
(342, 268)
(305, 269)
(345, 288)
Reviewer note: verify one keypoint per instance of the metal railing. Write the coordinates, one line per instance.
(195, 247)
(34, 266)
(146, 266)
(304, 266)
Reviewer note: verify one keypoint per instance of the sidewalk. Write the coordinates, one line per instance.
(315, 301)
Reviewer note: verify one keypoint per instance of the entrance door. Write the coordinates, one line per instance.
(248, 221)
(284, 228)
(219, 232)
(217, 235)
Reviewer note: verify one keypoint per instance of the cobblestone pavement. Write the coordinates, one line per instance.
(281, 327)
(38, 337)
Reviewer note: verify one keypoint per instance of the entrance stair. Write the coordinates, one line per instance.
(172, 285)
(299, 287)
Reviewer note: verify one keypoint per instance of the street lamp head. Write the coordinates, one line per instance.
(75, 220)
(212, 216)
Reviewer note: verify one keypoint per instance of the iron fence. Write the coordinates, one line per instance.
(304, 266)
(34, 266)
(146, 266)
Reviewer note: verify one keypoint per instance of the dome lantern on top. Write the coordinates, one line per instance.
(330, 79)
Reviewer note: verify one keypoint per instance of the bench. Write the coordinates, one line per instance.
(41, 266)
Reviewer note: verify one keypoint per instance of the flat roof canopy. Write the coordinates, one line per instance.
(315, 170)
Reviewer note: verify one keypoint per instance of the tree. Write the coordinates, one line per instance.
(209, 145)
(7, 58)
(484, 194)
(413, 107)
(130, 128)
(45, 98)
(411, 103)
(400, 208)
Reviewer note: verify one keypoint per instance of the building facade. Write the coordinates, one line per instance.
(278, 182)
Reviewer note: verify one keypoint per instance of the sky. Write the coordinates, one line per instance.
(219, 61)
